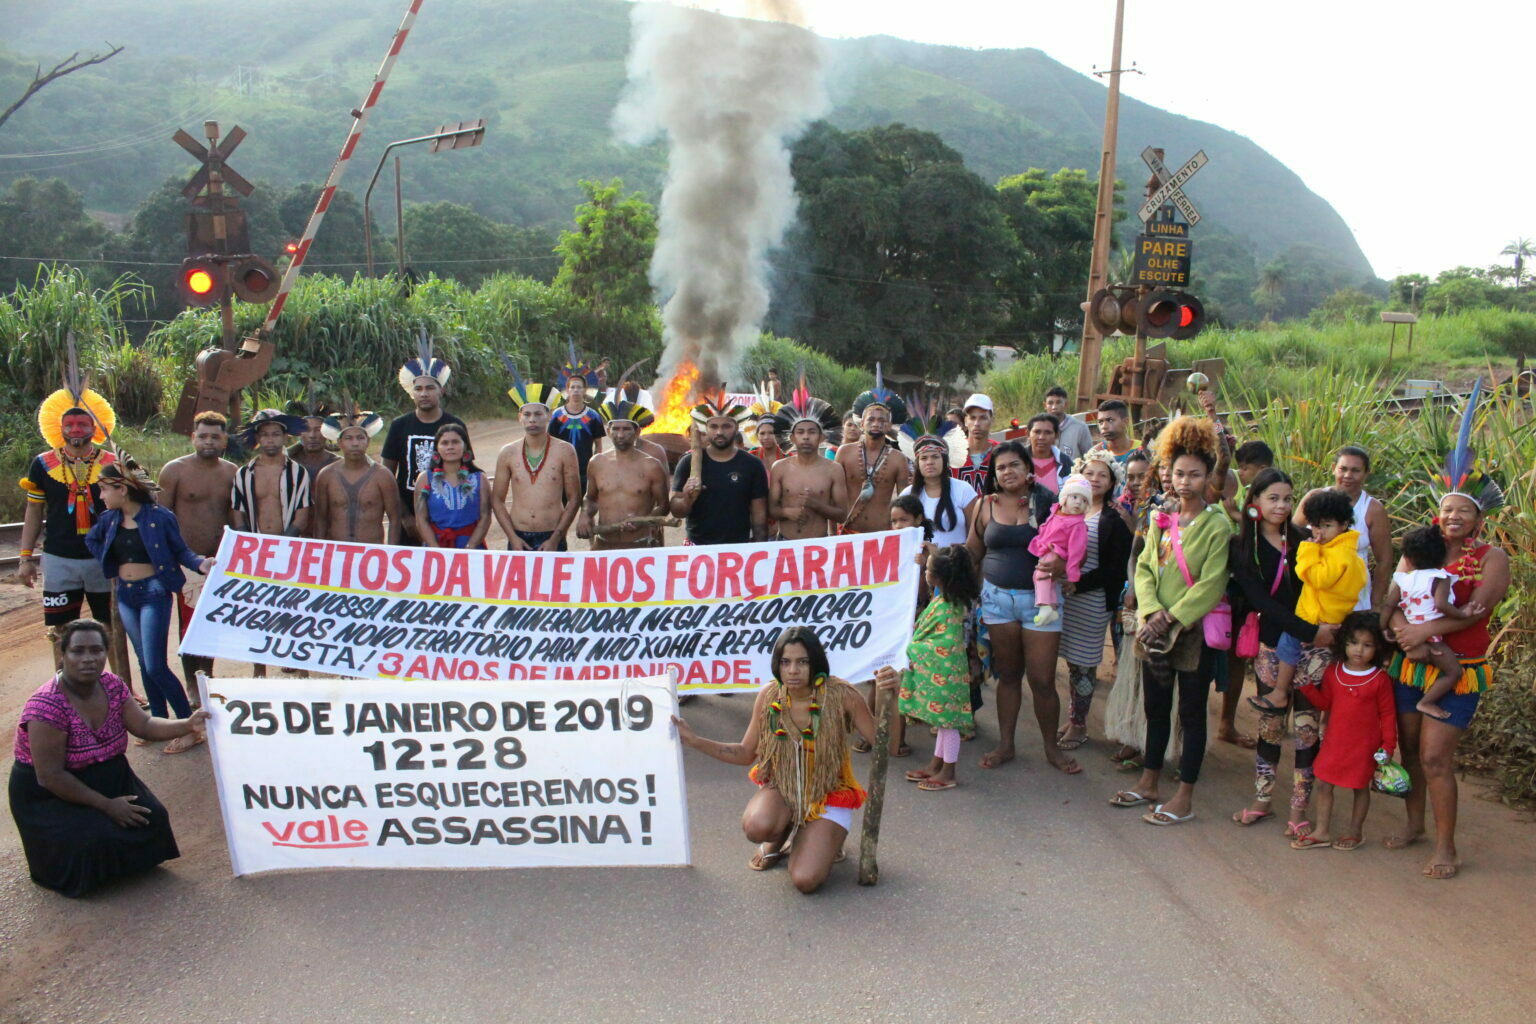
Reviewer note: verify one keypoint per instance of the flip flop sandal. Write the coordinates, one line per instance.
(1297, 829)
(1265, 705)
(763, 861)
(1158, 816)
(918, 775)
(842, 855)
(192, 740)
(903, 751)
(860, 745)
(1309, 843)
(1136, 799)
(1248, 816)
(1071, 744)
(933, 785)
(1348, 843)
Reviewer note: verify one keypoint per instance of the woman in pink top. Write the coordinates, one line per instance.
(82, 814)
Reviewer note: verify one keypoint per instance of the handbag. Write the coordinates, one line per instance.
(1247, 645)
(1218, 621)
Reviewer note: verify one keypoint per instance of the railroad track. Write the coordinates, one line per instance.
(10, 545)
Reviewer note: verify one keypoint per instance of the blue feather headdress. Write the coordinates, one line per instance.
(1462, 475)
(882, 396)
(424, 365)
(927, 420)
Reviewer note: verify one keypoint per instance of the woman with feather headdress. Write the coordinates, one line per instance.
(1428, 743)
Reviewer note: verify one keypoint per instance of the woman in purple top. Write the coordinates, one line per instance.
(82, 815)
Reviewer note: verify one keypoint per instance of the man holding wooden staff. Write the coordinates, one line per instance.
(626, 500)
(719, 489)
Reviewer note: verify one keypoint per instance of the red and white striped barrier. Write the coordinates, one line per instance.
(340, 166)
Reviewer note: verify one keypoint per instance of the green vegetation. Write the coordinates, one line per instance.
(546, 75)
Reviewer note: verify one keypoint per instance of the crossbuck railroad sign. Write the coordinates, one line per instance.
(1171, 186)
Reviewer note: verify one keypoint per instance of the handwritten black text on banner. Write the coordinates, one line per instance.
(708, 614)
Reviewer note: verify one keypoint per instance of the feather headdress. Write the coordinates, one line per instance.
(624, 410)
(347, 417)
(926, 419)
(575, 367)
(803, 408)
(717, 404)
(75, 396)
(425, 364)
(1461, 474)
(884, 397)
(523, 393)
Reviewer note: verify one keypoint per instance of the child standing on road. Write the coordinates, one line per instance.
(1362, 720)
(1332, 574)
(936, 687)
(1425, 594)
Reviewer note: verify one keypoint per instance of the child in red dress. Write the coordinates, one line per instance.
(1362, 719)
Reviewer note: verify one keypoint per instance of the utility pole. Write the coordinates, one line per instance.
(1103, 220)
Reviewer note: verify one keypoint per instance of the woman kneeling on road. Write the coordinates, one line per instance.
(82, 815)
(797, 743)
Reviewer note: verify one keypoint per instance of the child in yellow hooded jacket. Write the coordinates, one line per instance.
(1332, 575)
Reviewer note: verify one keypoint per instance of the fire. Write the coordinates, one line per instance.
(675, 410)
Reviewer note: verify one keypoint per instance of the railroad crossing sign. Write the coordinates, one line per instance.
(1162, 262)
(1171, 187)
(213, 157)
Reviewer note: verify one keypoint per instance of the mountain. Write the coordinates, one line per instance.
(545, 74)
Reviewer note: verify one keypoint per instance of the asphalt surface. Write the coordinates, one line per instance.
(1019, 895)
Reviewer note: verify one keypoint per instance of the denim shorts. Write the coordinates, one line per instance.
(1288, 650)
(1462, 706)
(1000, 605)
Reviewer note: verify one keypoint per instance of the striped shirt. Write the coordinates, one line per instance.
(292, 488)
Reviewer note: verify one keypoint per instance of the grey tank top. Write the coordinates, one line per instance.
(1008, 563)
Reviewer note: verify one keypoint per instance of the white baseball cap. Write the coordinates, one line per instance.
(978, 401)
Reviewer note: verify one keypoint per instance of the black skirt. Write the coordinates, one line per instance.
(71, 848)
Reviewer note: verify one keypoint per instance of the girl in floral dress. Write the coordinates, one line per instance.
(936, 687)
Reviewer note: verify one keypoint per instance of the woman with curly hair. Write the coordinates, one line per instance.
(1180, 576)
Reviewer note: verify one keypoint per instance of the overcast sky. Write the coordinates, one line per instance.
(1413, 117)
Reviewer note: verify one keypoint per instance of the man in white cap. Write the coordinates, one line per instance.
(1073, 437)
(971, 448)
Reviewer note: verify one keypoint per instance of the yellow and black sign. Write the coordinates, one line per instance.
(1162, 262)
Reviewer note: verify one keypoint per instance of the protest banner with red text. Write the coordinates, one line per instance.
(348, 773)
(706, 615)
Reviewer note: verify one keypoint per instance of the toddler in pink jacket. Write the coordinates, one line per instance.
(1065, 534)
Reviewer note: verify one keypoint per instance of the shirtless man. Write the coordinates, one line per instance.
(354, 495)
(310, 451)
(196, 489)
(875, 471)
(544, 480)
(270, 494)
(807, 494)
(622, 483)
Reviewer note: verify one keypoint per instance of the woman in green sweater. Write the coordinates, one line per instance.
(1180, 575)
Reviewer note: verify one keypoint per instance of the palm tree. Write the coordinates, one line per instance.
(1270, 294)
(1521, 249)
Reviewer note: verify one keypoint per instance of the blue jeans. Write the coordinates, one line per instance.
(145, 608)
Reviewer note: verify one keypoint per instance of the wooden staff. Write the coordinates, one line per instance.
(869, 868)
(696, 446)
(637, 523)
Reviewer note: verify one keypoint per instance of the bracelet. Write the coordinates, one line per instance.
(27, 553)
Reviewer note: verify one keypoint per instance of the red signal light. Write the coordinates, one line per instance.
(199, 282)
(291, 248)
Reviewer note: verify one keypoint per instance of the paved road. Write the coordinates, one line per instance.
(1020, 895)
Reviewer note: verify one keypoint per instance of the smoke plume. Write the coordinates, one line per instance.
(730, 95)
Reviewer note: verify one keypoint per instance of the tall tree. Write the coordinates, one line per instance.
(44, 221)
(1521, 249)
(897, 253)
(605, 261)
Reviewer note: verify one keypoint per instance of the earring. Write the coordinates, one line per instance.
(1253, 513)
(820, 680)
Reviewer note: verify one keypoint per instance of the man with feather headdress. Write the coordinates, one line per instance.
(64, 499)
(807, 495)
(574, 421)
(407, 451)
(355, 495)
(626, 495)
(875, 466)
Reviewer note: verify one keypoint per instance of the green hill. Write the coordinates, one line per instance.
(546, 73)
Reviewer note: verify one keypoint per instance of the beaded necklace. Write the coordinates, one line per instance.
(534, 467)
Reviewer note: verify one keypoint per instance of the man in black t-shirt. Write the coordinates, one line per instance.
(407, 450)
(727, 503)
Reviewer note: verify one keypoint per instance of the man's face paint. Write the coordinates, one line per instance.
(78, 428)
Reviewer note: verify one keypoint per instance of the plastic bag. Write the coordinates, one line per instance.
(1391, 778)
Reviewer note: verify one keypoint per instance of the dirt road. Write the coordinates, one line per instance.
(1019, 895)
